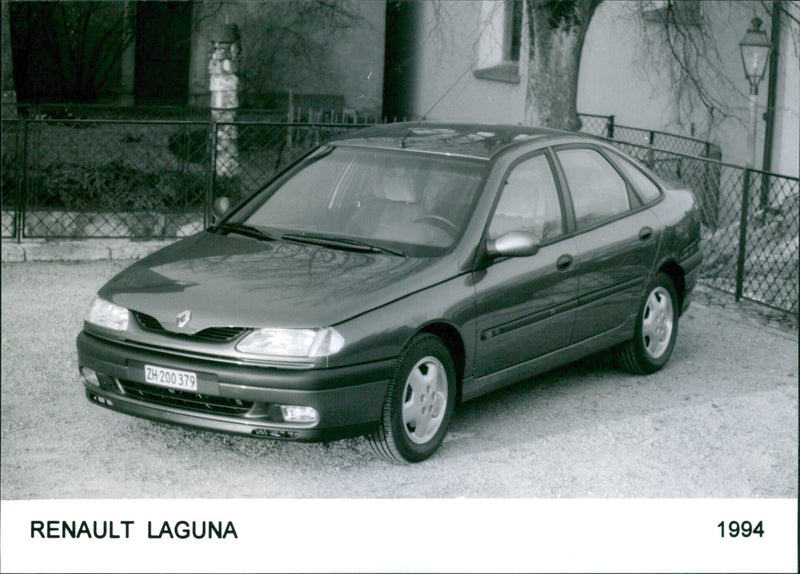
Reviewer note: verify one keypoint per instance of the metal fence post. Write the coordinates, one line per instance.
(22, 186)
(765, 192)
(610, 127)
(212, 171)
(742, 236)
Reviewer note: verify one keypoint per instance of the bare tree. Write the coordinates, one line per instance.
(557, 30)
(8, 67)
(682, 45)
(79, 46)
(284, 43)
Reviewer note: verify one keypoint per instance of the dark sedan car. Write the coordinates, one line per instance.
(392, 273)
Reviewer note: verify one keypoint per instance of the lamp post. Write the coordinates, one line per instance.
(755, 48)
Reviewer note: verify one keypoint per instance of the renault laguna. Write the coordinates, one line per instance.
(391, 274)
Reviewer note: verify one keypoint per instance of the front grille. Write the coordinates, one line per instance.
(212, 334)
(148, 322)
(185, 400)
(220, 334)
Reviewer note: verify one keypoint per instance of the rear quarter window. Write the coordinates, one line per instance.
(646, 188)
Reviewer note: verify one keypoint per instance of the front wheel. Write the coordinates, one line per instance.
(419, 402)
(655, 332)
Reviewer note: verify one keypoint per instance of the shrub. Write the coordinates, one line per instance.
(191, 146)
(114, 187)
(9, 174)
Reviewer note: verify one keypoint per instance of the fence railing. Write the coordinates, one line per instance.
(750, 224)
(594, 124)
(288, 112)
(606, 126)
(66, 178)
(139, 179)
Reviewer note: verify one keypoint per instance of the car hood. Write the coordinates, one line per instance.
(235, 281)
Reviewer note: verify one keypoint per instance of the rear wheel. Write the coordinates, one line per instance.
(419, 402)
(655, 332)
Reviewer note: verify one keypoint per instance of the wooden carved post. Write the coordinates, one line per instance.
(225, 54)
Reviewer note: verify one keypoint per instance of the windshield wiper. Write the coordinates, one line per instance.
(340, 243)
(244, 229)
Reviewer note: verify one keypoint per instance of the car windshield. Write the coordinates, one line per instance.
(410, 203)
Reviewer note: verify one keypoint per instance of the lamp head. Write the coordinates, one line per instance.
(755, 48)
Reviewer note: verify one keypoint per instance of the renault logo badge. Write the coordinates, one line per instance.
(183, 318)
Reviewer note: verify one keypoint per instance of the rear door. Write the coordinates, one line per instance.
(526, 305)
(617, 240)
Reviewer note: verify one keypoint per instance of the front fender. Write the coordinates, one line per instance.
(383, 332)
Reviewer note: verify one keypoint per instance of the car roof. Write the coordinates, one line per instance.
(482, 141)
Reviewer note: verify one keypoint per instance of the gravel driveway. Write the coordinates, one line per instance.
(720, 421)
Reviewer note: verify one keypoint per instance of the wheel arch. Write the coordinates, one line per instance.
(452, 339)
(676, 274)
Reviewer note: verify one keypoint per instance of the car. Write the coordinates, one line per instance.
(391, 274)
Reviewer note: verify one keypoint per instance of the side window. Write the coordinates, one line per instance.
(598, 191)
(529, 202)
(647, 189)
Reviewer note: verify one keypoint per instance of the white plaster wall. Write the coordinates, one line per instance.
(445, 88)
(619, 78)
(611, 81)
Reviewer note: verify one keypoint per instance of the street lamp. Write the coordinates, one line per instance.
(755, 48)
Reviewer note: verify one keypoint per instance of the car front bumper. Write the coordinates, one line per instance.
(236, 398)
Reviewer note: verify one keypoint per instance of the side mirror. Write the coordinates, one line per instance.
(220, 207)
(513, 244)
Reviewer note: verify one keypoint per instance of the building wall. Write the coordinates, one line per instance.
(612, 80)
(620, 77)
(457, 38)
(623, 73)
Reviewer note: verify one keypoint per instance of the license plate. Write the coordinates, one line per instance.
(181, 380)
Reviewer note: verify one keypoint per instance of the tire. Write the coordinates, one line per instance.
(655, 332)
(419, 402)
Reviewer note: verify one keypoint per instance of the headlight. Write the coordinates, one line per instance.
(292, 342)
(107, 315)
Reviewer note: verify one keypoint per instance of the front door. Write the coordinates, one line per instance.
(526, 305)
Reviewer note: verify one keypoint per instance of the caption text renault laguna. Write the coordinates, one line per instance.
(392, 273)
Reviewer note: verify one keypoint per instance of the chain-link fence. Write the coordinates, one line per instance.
(10, 173)
(77, 178)
(750, 224)
(606, 126)
(285, 112)
(67, 178)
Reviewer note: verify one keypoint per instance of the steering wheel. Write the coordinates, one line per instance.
(441, 222)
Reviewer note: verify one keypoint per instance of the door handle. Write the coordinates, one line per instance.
(564, 262)
(645, 233)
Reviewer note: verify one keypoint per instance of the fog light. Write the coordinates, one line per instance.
(90, 376)
(293, 414)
